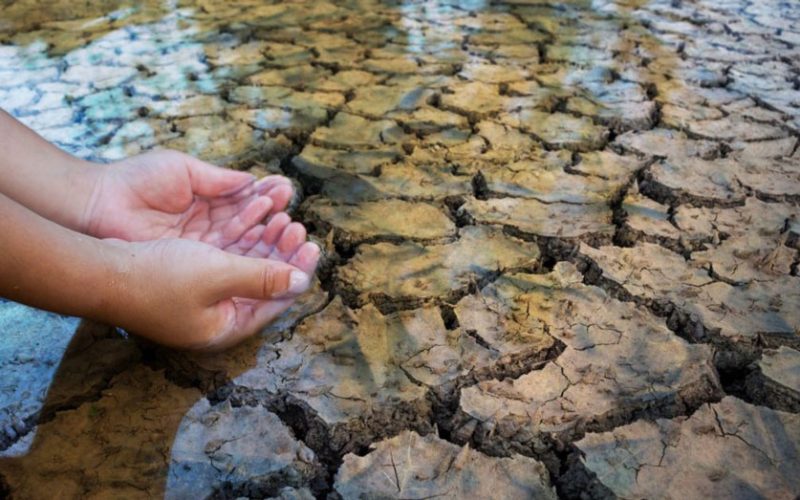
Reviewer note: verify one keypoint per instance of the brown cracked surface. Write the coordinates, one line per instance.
(413, 272)
(702, 305)
(617, 361)
(776, 381)
(412, 466)
(730, 448)
(555, 236)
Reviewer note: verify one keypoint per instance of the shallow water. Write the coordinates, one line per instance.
(568, 202)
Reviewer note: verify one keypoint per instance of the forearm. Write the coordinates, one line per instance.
(45, 265)
(43, 178)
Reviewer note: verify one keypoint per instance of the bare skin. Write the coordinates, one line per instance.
(162, 244)
(167, 194)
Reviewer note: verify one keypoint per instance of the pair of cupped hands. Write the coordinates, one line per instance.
(216, 257)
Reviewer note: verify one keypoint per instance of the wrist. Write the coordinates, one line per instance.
(112, 295)
(88, 179)
(43, 178)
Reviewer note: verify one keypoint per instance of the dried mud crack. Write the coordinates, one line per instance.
(560, 251)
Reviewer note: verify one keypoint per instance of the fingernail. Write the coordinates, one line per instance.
(299, 282)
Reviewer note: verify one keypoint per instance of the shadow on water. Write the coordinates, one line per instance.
(247, 83)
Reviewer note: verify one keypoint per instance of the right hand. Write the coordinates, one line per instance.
(187, 294)
(168, 194)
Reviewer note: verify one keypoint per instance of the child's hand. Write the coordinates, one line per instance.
(167, 194)
(151, 278)
(187, 294)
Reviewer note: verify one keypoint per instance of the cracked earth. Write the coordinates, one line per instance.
(561, 248)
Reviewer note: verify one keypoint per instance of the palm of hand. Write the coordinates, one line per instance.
(280, 240)
(239, 317)
(165, 194)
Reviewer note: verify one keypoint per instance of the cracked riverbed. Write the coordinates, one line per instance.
(560, 250)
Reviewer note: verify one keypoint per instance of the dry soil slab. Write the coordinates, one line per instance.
(728, 449)
(451, 160)
(618, 361)
(413, 466)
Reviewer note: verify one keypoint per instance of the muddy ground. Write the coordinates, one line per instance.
(561, 246)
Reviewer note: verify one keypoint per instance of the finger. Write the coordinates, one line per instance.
(209, 180)
(275, 226)
(260, 279)
(226, 207)
(306, 257)
(246, 192)
(280, 195)
(247, 241)
(265, 184)
(293, 236)
(263, 313)
(247, 218)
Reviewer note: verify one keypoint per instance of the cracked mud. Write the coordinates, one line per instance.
(561, 250)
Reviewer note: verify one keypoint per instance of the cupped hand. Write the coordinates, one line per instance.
(188, 294)
(168, 194)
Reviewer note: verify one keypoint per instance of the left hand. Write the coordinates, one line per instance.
(190, 295)
(168, 194)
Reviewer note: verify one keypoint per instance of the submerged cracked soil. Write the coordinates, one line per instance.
(561, 250)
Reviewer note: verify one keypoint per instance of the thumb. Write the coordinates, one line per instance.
(210, 180)
(258, 278)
